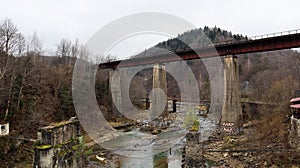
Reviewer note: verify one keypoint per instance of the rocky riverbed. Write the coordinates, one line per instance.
(244, 151)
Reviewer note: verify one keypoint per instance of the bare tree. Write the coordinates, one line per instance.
(10, 41)
(75, 49)
(21, 44)
(8, 36)
(34, 47)
(64, 50)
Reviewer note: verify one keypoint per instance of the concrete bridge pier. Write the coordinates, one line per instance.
(232, 120)
(115, 89)
(159, 99)
(147, 105)
(174, 106)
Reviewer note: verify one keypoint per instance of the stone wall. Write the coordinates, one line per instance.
(59, 133)
(56, 146)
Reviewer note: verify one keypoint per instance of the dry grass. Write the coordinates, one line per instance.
(272, 125)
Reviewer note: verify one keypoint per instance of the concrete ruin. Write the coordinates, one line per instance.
(232, 116)
(57, 146)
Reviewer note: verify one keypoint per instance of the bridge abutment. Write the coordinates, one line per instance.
(232, 119)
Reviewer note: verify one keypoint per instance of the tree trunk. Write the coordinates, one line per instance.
(9, 97)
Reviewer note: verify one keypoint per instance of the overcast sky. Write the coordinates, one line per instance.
(57, 19)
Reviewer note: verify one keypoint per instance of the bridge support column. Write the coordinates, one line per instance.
(174, 106)
(232, 119)
(115, 89)
(147, 102)
(159, 82)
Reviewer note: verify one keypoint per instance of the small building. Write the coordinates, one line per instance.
(295, 107)
(4, 129)
(294, 136)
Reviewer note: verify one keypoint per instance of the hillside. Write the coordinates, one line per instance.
(258, 70)
(193, 38)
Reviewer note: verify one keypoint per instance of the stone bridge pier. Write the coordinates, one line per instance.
(158, 96)
(232, 119)
(159, 99)
(115, 84)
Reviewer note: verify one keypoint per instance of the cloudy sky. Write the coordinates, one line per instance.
(57, 19)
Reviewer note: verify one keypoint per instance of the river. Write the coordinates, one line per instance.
(144, 150)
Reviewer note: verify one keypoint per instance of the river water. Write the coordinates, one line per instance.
(162, 153)
(143, 150)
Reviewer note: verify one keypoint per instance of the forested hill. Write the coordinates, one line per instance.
(261, 74)
(196, 37)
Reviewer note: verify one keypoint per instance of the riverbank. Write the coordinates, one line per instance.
(246, 151)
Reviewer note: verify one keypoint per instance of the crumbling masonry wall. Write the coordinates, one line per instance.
(56, 146)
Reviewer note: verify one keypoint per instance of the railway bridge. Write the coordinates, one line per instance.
(232, 109)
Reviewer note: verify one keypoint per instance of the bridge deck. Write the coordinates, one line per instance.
(220, 49)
